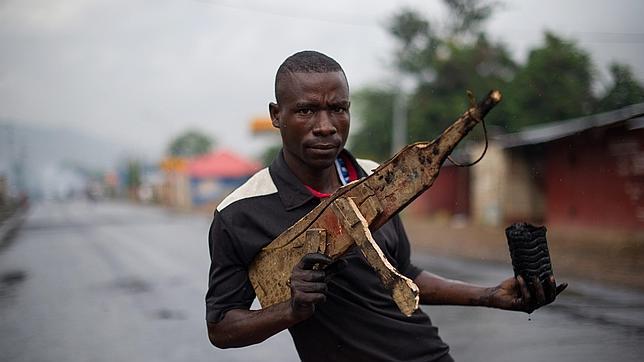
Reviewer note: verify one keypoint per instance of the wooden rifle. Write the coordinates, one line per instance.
(353, 212)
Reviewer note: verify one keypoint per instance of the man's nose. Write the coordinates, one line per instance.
(324, 125)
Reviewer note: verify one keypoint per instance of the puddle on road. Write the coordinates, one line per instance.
(12, 278)
(170, 314)
(134, 285)
(586, 315)
(131, 285)
(9, 281)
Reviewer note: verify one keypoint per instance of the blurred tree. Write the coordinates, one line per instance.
(443, 66)
(270, 153)
(478, 66)
(554, 84)
(372, 129)
(417, 43)
(468, 16)
(133, 174)
(133, 179)
(190, 143)
(625, 89)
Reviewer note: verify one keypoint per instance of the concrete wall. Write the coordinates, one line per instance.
(508, 186)
(523, 196)
(488, 186)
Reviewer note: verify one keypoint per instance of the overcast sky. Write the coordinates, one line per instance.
(141, 71)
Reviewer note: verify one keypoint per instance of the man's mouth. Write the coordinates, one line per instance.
(323, 146)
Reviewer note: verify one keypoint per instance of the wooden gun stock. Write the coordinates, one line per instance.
(348, 217)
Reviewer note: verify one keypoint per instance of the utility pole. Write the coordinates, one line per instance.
(399, 122)
(406, 85)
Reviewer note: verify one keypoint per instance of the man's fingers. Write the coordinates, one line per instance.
(540, 294)
(530, 296)
(309, 279)
(308, 287)
(561, 287)
(308, 282)
(310, 260)
(550, 289)
(307, 275)
(525, 293)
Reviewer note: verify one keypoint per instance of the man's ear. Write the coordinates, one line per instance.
(274, 111)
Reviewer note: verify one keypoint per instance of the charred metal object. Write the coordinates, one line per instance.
(529, 254)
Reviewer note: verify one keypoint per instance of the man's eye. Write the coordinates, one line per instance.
(305, 111)
(339, 109)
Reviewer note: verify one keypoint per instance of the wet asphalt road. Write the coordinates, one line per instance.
(115, 282)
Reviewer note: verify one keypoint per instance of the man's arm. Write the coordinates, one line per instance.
(241, 327)
(511, 294)
(308, 282)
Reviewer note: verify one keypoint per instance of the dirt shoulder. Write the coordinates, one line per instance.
(611, 257)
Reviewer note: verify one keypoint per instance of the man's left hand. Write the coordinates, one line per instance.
(514, 294)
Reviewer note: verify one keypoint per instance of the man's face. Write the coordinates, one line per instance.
(313, 118)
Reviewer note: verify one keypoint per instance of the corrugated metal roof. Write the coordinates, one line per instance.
(556, 130)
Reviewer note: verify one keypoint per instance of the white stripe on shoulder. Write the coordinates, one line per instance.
(367, 165)
(259, 184)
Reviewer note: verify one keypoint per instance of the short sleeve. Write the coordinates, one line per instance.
(228, 284)
(403, 251)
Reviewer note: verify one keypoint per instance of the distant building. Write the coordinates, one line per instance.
(449, 195)
(214, 175)
(175, 191)
(586, 172)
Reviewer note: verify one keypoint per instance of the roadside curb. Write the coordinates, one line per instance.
(10, 225)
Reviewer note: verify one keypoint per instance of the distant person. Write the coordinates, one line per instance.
(334, 314)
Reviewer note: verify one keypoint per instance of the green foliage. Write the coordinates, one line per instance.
(408, 26)
(190, 143)
(554, 84)
(270, 153)
(133, 178)
(468, 16)
(478, 67)
(625, 89)
(418, 43)
(444, 68)
(372, 129)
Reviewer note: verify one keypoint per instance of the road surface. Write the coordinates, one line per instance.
(88, 281)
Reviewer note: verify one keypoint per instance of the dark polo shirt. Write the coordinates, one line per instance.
(359, 321)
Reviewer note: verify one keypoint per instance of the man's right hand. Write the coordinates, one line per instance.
(243, 327)
(309, 283)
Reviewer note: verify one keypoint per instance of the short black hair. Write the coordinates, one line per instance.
(307, 61)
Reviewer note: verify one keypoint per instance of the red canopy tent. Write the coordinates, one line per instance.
(222, 164)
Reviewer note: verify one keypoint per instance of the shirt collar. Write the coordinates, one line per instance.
(291, 190)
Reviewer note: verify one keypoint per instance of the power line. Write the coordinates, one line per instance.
(296, 17)
(590, 36)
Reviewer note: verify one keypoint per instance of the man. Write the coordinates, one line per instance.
(339, 312)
